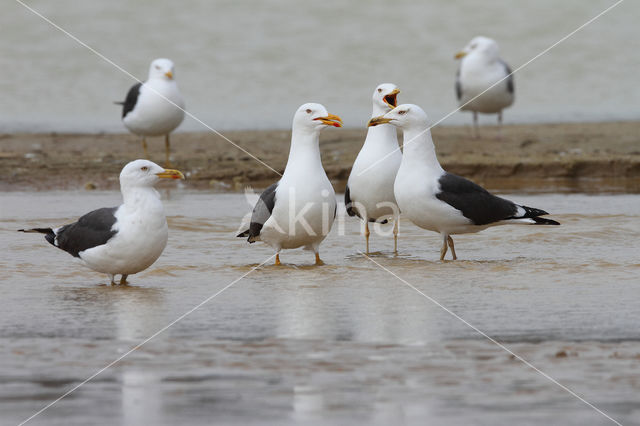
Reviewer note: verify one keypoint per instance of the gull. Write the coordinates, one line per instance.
(155, 107)
(480, 69)
(369, 192)
(121, 240)
(439, 201)
(299, 209)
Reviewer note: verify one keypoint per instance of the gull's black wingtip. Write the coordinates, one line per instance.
(544, 221)
(38, 230)
(49, 235)
(243, 234)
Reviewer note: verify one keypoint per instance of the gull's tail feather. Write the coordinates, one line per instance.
(49, 235)
(544, 221)
(534, 214)
(247, 233)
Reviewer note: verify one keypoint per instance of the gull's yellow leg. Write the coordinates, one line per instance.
(476, 130)
(111, 277)
(144, 147)
(123, 279)
(167, 151)
(453, 250)
(319, 261)
(367, 233)
(443, 250)
(278, 259)
(395, 235)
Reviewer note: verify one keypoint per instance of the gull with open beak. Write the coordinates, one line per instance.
(369, 192)
(121, 240)
(155, 107)
(299, 209)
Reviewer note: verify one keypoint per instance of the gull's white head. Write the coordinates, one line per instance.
(403, 116)
(145, 173)
(480, 46)
(314, 117)
(161, 68)
(385, 97)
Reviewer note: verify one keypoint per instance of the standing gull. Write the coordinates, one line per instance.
(120, 240)
(481, 68)
(155, 107)
(369, 192)
(299, 209)
(443, 202)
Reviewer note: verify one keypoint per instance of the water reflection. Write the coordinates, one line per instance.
(133, 314)
(141, 398)
(308, 401)
(323, 303)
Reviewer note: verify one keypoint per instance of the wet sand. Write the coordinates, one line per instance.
(586, 157)
(344, 343)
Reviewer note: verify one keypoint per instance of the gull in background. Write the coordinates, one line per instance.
(480, 68)
(155, 107)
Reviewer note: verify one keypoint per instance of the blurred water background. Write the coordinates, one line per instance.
(249, 64)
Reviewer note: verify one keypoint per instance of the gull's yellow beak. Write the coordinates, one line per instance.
(391, 100)
(331, 120)
(378, 120)
(460, 54)
(169, 74)
(170, 174)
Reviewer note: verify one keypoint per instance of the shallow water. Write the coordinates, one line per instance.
(250, 64)
(343, 343)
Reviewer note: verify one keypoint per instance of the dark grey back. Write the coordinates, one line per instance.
(91, 230)
(475, 202)
(131, 100)
(262, 210)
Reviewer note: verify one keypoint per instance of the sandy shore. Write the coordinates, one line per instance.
(552, 157)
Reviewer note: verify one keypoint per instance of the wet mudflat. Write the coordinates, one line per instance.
(348, 342)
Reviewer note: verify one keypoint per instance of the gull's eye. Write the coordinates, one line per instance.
(144, 168)
(379, 90)
(308, 111)
(157, 67)
(403, 112)
(474, 45)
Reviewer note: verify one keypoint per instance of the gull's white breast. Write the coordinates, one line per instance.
(153, 115)
(476, 77)
(373, 175)
(303, 212)
(142, 235)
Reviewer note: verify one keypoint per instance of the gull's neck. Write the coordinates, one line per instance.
(483, 58)
(140, 197)
(379, 110)
(383, 135)
(418, 149)
(305, 151)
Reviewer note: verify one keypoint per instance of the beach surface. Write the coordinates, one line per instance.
(567, 157)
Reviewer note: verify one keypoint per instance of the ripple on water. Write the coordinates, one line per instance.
(348, 339)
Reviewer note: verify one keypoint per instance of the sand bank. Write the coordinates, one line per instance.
(534, 157)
